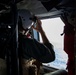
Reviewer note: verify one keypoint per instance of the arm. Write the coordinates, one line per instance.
(41, 31)
(47, 47)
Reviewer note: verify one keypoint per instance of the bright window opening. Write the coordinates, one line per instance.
(53, 28)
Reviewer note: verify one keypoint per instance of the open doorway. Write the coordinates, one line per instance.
(53, 28)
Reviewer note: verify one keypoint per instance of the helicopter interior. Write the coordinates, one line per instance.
(44, 9)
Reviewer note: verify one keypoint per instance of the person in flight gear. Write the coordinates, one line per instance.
(30, 47)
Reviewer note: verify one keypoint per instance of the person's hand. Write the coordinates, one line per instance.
(38, 26)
